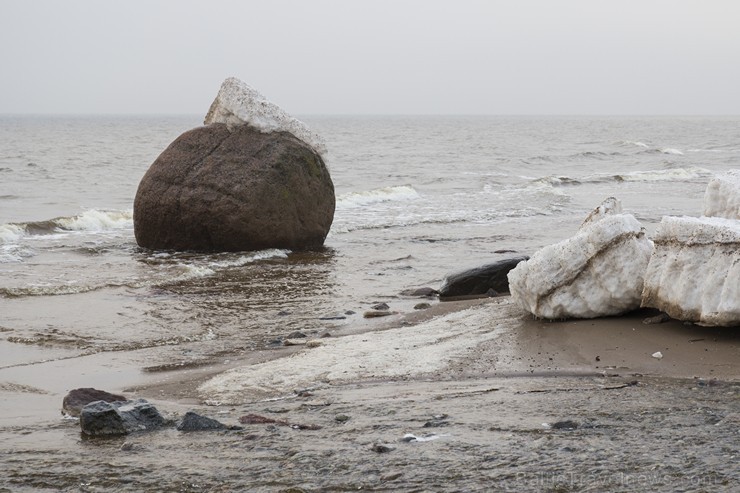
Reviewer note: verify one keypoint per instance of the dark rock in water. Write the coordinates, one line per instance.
(215, 189)
(119, 418)
(564, 425)
(195, 422)
(420, 292)
(76, 399)
(381, 448)
(296, 335)
(377, 313)
(381, 306)
(422, 306)
(480, 280)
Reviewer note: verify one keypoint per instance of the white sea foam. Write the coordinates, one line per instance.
(238, 103)
(676, 174)
(387, 194)
(96, 220)
(250, 258)
(669, 150)
(11, 233)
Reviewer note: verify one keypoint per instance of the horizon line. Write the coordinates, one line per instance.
(160, 114)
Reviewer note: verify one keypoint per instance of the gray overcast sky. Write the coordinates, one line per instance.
(380, 56)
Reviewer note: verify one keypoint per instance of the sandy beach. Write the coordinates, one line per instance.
(464, 396)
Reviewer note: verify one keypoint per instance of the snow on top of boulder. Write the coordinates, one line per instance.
(698, 230)
(237, 103)
(722, 197)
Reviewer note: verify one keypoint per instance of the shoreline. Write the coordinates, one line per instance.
(526, 408)
(515, 345)
(523, 347)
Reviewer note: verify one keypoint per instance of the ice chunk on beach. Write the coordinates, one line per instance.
(238, 104)
(694, 272)
(722, 197)
(597, 272)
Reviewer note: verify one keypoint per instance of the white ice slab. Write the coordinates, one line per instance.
(694, 272)
(722, 197)
(597, 272)
(237, 103)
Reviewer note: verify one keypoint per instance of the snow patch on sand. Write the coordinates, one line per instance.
(391, 354)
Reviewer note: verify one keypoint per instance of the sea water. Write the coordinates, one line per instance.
(417, 198)
(81, 305)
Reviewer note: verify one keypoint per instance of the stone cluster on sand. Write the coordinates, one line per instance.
(104, 414)
(694, 272)
(252, 178)
(691, 269)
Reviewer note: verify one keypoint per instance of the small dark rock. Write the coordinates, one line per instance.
(341, 418)
(195, 422)
(658, 319)
(564, 425)
(350, 312)
(420, 292)
(76, 399)
(333, 317)
(381, 306)
(436, 424)
(119, 418)
(381, 448)
(377, 313)
(296, 335)
(422, 306)
(283, 313)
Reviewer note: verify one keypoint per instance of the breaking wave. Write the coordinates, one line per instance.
(96, 220)
(667, 175)
(93, 220)
(386, 194)
(169, 272)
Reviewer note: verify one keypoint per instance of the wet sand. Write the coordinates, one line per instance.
(481, 387)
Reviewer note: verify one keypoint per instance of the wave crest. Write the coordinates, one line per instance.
(378, 195)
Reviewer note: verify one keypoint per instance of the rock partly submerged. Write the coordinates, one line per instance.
(598, 272)
(488, 279)
(252, 178)
(102, 418)
(77, 399)
(694, 272)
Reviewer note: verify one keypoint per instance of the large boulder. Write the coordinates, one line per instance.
(486, 279)
(598, 272)
(694, 272)
(246, 181)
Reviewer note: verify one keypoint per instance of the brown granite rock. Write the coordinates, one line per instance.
(76, 399)
(215, 189)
